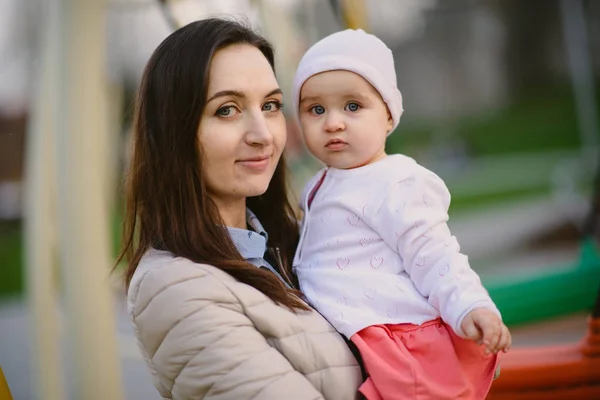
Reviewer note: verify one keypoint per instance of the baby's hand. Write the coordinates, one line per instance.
(485, 327)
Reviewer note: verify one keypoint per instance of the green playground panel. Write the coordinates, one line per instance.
(549, 294)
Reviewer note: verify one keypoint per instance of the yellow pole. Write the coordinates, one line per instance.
(115, 101)
(39, 235)
(355, 14)
(4, 389)
(83, 212)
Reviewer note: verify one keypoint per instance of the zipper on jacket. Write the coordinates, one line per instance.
(282, 270)
(272, 265)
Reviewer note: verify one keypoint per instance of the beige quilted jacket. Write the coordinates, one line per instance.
(205, 335)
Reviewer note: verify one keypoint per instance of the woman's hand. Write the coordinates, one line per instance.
(485, 327)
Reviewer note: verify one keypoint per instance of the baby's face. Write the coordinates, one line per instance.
(344, 120)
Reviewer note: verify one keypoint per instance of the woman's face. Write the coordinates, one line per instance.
(242, 129)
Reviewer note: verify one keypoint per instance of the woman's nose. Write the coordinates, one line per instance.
(258, 132)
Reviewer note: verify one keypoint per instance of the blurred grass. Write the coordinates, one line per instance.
(11, 255)
(471, 203)
(11, 259)
(540, 120)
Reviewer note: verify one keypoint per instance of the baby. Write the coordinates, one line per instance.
(375, 256)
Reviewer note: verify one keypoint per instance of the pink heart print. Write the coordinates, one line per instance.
(353, 219)
(370, 293)
(408, 182)
(338, 316)
(419, 223)
(366, 210)
(332, 243)
(421, 261)
(458, 276)
(443, 270)
(365, 242)
(427, 200)
(376, 262)
(343, 262)
(325, 218)
(392, 311)
(401, 207)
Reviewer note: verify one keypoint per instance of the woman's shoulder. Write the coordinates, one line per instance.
(181, 309)
(160, 262)
(160, 271)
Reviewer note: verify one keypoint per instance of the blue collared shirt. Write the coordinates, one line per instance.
(252, 244)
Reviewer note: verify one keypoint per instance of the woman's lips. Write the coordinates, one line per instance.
(256, 163)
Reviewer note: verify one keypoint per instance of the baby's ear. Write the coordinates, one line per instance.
(390, 122)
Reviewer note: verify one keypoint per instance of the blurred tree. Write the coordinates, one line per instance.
(535, 54)
(533, 32)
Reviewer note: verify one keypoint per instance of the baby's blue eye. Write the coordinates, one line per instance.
(318, 110)
(352, 107)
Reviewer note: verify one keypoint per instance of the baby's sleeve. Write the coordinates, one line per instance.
(413, 221)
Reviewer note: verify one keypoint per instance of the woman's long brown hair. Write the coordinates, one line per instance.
(167, 203)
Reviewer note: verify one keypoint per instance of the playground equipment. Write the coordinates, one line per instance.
(4, 389)
(553, 372)
(571, 288)
(550, 293)
(66, 165)
(572, 370)
(565, 371)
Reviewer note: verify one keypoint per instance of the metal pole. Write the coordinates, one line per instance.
(39, 235)
(83, 214)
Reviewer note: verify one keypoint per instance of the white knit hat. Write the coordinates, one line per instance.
(358, 52)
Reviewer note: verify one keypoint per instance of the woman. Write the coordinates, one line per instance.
(210, 233)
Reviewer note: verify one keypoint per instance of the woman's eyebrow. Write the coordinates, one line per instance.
(223, 93)
(273, 92)
(237, 93)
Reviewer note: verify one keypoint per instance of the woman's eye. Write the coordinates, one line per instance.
(318, 110)
(273, 106)
(352, 107)
(226, 111)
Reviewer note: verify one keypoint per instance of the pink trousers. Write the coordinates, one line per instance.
(424, 362)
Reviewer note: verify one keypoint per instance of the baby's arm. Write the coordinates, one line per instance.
(412, 219)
